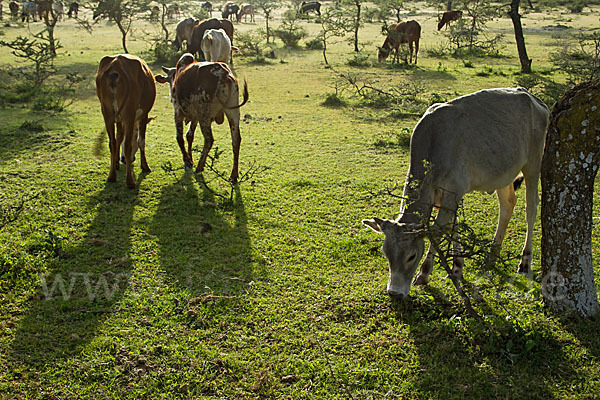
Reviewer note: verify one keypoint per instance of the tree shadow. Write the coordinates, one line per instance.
(83, 285)
(460, 357)
(204, 246)
(25, 130)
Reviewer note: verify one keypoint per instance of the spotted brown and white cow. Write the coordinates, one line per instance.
(126, 89)
(203, 92)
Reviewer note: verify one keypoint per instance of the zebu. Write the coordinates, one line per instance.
(480, 141)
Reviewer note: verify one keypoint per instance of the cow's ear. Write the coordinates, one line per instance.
(161, 79)
(377, 224)
(165, 70)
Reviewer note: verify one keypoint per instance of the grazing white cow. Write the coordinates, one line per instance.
(29, 10)
(183, 31)
(59, 10)
(480, 141)
(216, 46)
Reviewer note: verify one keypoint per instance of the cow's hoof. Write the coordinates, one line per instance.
(112, 177)
(421, 280)
(146, 169)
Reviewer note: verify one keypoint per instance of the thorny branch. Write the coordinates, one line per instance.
(11, 213)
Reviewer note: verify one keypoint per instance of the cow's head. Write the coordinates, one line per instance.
(403, 246)
(185, 60)
(383, 53)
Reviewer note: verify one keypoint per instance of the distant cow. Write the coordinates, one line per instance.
(154, 12)
(307, 6)
(29, 10)
(73, 10)
(477, 142)
(203, 92)
(216, 46)
(126, 90)
(245, 10)
(230, 10)
(402, 32)
(13, 6)
(207, 6)
(183, 31)
(449, 16)
(195, 46)
(44, 8)
(173, 11)
(59, 10)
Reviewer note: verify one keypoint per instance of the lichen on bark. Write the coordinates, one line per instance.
(569, 167)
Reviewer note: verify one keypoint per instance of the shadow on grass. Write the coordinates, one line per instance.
(204, 249)
(83, 286)
(460, 357)
(24, 130)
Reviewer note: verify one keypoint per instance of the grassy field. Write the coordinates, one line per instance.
(170, 292)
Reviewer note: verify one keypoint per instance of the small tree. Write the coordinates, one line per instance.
(579, 60)
(392, 6)
(289, 31)
(335, 22)
(267, 6)
(40, 51)
(123, 12)
(469, 31)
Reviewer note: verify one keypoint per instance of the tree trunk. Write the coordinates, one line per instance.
(516, 20)
(357, 25)
(449, 5)
(267, 15)
(123, 35)
(569, 167)
(163, 24)
(325, 50)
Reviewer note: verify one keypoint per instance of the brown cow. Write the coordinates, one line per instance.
(198, 33)
(402, 32)
(449, 16)
(14, 9)
(203, 92)
(126, 89)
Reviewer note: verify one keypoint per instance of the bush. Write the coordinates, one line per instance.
(163, 53)
(334, 100)
(314, 44)
(359, 60)
(252, 43)
(290, 32)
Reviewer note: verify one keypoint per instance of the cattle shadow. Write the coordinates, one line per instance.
(83, 286)
(460, 357)
(204, 246)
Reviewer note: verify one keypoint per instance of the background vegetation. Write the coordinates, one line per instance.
(170, 291)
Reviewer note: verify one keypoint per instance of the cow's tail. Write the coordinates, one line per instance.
(518, 182)
(245, 96)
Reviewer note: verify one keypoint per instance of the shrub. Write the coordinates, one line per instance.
(314, 44)
(334, 100)
(163, 53)
(359, 60)
(290, 32)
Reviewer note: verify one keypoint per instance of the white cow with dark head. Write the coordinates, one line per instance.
(480, 141)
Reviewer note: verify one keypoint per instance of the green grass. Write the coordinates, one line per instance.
(177, 294)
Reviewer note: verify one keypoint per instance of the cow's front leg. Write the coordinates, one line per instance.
(426, 268)
(208, 142)
(187, 161)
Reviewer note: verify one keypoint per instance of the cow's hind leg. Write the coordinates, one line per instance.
(127, 130)
(141, 141)
(233, 116)
(531, 195)
(187, 160)
(189, 136)
(114, 150)
(506, 204)
(208, 142)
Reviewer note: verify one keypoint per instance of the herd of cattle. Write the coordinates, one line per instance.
(40, 9)
(477, 142)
